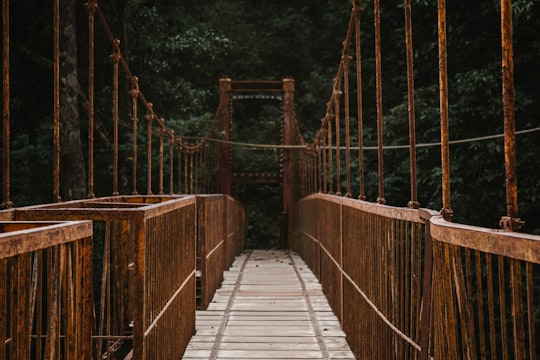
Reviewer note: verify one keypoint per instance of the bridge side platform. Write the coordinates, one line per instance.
(270, 306)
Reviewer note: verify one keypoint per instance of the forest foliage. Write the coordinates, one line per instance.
(179, 50)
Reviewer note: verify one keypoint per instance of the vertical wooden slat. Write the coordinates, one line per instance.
(3, 308)
(39, 305)
(409, 310)
(69, 308)
(471, 332)
(517, 309)
(53, 318)
(139, 287)
(103, 315)
(427, 310)
(461, 314)
(78, 309)
(502, 302)
(22, 306)
(530, 312)
(491, 309)
(481, 310)
(451, 302)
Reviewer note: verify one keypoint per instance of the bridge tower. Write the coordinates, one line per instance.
(282, 90)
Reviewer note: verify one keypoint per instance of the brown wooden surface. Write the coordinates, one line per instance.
(270, 306)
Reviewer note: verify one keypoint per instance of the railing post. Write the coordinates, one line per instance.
(425, 312)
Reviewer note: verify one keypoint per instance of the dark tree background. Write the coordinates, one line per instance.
(179, 50)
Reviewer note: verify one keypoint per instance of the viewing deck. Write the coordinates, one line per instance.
(270, 306)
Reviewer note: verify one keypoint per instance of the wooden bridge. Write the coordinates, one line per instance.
(167, 276)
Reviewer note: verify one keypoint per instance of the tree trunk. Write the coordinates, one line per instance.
(73, 169)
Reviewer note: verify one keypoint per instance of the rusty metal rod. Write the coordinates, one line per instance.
(171, 165)
(6, 202)
(160, 161)
(56, 105)
(358, 12)
(180, 169)
(378, 85)
(337, 95)
(186, 191)
(91, 6)
(116, 59)
(443, 99)
(330, 156)
(319, 167)
(325, 172)
(135, 95)
(346, 59)
(149, 117)
(413, 203)
(511, 222)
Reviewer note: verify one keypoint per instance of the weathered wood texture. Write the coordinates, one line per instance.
(45, 290)
(368, 258)
(270, 306)
(145, 256)
(221, 234)
(427, 287)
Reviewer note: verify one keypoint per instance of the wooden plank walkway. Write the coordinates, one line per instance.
(270, 306)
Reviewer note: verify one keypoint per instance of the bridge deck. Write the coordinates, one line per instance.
(270, 306)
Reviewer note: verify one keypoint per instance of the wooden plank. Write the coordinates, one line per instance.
(276, 311)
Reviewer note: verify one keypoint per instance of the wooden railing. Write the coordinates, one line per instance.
(486, 293)
(221, 224)
(425, 286)
(45, 290)
(144, 270)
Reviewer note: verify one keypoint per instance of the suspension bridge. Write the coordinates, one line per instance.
(166, 276)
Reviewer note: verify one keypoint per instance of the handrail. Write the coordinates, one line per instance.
(428, 287)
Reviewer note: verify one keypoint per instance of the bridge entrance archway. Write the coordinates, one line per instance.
(234, 175)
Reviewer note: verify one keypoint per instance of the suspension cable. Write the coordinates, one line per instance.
(386, 147)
